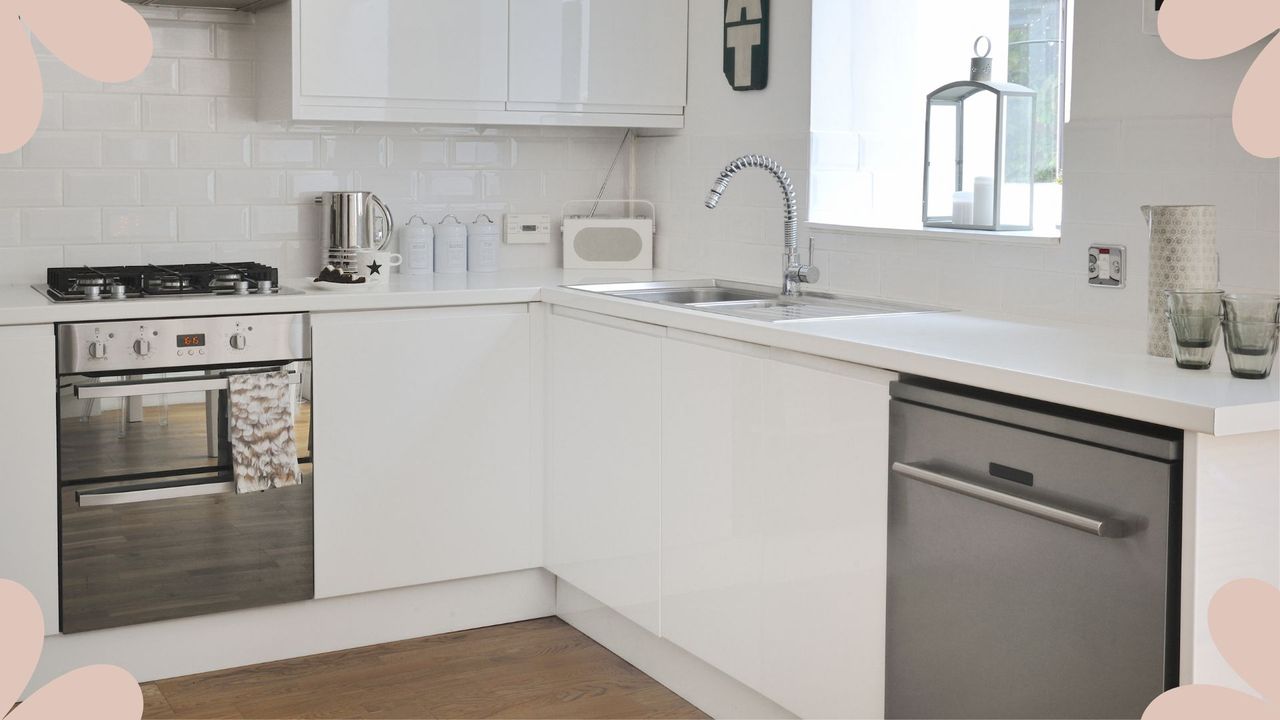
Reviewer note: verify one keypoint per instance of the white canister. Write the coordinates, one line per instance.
(416, 247)
(483, 239)
(984, 202)
(451, 246)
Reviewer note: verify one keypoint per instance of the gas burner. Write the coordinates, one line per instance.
(153, 281)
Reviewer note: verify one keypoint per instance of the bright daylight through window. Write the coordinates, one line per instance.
(874, 64)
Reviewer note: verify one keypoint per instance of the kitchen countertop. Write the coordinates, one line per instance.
(1056, 362)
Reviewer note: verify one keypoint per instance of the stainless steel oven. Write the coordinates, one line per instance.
(151, 525)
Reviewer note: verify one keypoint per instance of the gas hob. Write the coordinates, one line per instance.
(141, 282)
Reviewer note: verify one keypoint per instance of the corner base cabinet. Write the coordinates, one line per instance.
(425, 466)
(602, 458)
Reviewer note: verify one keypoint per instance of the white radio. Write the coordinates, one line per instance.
(609, 242)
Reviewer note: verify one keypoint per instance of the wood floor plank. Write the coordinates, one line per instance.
(154, 704)
(536, 669)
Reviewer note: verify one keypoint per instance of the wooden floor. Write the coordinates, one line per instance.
(536, 669)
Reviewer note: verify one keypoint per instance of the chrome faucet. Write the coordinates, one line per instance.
(794, 273)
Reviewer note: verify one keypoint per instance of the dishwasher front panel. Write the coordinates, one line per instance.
(1005, 598)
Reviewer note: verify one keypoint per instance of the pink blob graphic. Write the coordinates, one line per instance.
(1244, 620)
(1207, 29)
(101, 692)
(106, 40)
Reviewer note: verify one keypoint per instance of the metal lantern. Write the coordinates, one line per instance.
(978, 153)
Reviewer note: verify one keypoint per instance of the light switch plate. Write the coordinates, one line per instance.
(1106, 266)
(528, 229)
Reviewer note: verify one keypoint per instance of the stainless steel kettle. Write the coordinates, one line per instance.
(351, 222)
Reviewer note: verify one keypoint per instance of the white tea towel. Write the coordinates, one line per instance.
(264, 452)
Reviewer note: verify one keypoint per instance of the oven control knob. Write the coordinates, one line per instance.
(239, 341)
(142, 348)
(98, 350)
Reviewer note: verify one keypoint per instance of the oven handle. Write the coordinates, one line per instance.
(157, 387)
(1102, 527)
(125, 497)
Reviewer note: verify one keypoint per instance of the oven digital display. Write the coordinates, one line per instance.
(190, 341)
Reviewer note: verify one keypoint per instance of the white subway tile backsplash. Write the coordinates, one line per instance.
(483, 153)
(61, 226)
(59, 78)
(160, 77)
(391, 186)
(97, 188)
(285, 151)
(513, 185)
(63, 149)
(11, 159)
(182, 39)
(240, 114)
(100, 111)
(180, 253)
(353, 151)
(150, 224)
(10, 226)
(417, 153)
(539, 153)
(285, 222)
(51, 114)
(1269, 200)
(177, 112)
(234, 42)
(250, 187)
(28, 264)
(305, 185)
(27, 188)
(177, 187)
(217, 77)
(213, 150)
(139, 150)
(450, 186)
(102, 255)
(221, 223)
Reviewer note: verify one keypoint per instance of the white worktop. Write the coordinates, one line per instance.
(1068, 364)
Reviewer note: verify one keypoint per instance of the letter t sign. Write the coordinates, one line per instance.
(746, 43)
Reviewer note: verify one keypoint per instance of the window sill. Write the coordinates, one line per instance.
(1032, 238)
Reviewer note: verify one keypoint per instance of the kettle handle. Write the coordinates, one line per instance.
(390, 222)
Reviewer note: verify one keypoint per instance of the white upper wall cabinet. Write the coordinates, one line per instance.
(606, 63)
(599, 55)
(426, 51)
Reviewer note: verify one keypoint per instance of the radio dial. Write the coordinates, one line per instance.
(239, 341)
(142, 348)
(98, 350)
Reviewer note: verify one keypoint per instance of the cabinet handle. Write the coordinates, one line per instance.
(1101, 527)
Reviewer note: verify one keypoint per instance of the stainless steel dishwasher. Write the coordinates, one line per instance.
(1033, 558)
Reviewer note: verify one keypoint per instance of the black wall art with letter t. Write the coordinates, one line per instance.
(746, 44)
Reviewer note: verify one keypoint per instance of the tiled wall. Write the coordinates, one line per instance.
(175, 167)
(1147, 128)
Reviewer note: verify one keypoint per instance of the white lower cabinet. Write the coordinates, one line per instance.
(425, 467)
(29, 478)
(774, 505)
(603, 393)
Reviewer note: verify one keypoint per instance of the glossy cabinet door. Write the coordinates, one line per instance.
(424, 454)
(602, 460)
(599, 55)
(29, 478)
(403, 50)
(774, 521)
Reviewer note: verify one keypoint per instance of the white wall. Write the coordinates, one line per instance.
(743, 238)
(1147, 127)
(173, 166)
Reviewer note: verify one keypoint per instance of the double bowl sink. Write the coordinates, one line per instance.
(753, 302)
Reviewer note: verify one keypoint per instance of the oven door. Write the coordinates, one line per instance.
(151, 526)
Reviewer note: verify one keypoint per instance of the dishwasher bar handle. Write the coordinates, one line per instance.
(1102, 527)
(126, 497)
(157, 387)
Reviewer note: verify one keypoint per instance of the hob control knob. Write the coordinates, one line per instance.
(98, 350)
(239, 341)
(142, 347)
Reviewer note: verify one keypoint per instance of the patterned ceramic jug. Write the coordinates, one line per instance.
(1184, 256)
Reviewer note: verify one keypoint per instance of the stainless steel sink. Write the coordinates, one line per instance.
(753, 302)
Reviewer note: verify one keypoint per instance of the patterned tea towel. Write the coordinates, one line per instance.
(264, 452)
